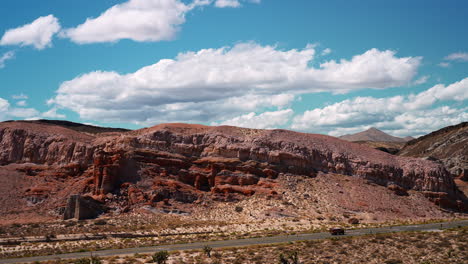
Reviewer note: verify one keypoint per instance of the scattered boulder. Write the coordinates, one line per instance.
(82, 207)
(397, 190)
(239, 209)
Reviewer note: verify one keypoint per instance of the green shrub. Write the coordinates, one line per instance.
(95, 260)
(292, 258)
(92, 260)
(283, 259)
(161, 257)
(207, 249)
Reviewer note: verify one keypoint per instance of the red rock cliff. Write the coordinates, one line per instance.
(182, 162)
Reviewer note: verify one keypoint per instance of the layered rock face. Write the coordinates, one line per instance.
(43, 144)
(188, 163)
(448, 145)
(262, 154)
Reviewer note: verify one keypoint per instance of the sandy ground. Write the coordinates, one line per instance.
(408, 248)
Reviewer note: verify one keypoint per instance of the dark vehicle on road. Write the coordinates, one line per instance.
(335, 231)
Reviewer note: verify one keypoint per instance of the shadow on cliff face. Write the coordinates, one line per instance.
(111, 169)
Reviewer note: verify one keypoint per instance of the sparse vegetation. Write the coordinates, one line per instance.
(291, 258)
(396, 248)
(161, 257)
(91, 260)
(207, 250)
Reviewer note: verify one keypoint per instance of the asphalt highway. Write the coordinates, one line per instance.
(242, 242)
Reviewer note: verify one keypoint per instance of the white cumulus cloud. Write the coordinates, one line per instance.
(403, 115)
(8, 112)
(444, 64)
(138, 20)
(39, 33)
(227, 3)
(459, 56)
(422, 80)
(21, 96)
(218, 84)
(326, 51)
(21, 103)
(233, 3)
(6, 56)
(264, 120)
(52, 113)
(4, 105)
(22, 112)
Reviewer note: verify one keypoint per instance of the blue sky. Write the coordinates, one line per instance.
(332, 67)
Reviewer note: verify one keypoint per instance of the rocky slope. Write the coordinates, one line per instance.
(172, 164)
(389, 147)
(84, 128)
(448, 145)
(373, 134)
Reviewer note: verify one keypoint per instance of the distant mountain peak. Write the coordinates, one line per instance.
(374, 129)
(373, 134)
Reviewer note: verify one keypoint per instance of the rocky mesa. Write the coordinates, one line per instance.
(181, 163)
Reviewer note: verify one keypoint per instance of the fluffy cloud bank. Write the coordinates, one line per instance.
(7, 111)
(402, 115)
(220, 84)
(39, 33)
(272, 119)
(138, 20)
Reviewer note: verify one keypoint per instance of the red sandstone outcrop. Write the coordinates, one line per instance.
(185, 163)
(43, 144)
(281, 151)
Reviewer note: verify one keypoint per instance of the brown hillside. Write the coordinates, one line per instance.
(449, 145)
(373, 134)
(187, 168)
